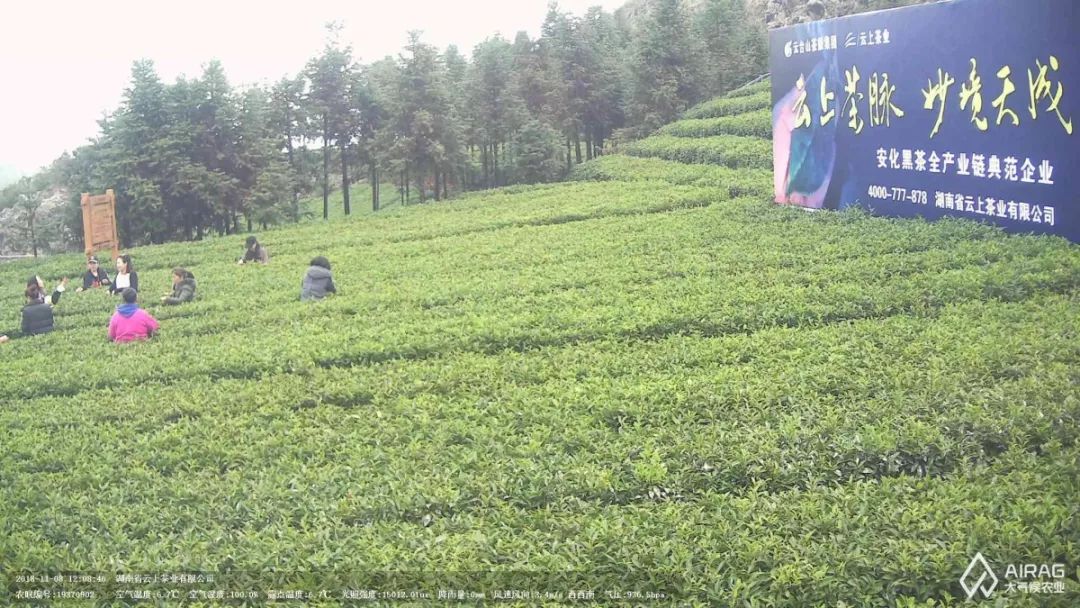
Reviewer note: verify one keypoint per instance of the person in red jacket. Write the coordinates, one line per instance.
(131, 322)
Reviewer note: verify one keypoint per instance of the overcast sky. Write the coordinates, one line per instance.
(63, 64)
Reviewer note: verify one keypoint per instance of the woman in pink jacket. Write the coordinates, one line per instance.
(131, 322)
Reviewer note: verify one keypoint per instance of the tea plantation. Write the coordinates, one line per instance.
(649, 371)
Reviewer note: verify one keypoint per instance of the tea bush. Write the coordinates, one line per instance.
(728, 106)
(752, 124)
(726, 150)
(650, 372)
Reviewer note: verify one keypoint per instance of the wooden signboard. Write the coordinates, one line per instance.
(99, 223)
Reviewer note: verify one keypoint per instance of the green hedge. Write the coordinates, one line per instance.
(641, 375)
(757, 87)
(734, 182)
(753, 124)
(728, 106)
(726, 150)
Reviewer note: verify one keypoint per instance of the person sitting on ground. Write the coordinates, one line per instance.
(35, 282)
(254, 252)
(130, 322)
(318, 281)
(37, 315)
(125, 276)
(95, 275)
(183, 287)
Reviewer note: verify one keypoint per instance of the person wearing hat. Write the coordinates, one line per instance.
(95, 276)
(254, 252)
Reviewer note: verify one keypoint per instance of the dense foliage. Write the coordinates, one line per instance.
(199, 156)
(651, 371)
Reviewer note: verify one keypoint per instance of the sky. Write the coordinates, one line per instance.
(65, 64)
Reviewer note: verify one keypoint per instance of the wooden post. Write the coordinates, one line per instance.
(88, 231)
(115, 237)
(99, 227)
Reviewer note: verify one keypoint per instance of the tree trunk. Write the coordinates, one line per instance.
(577, 149)
(588, 148)
(292, 168)
(345, 177)
(445, 190)
(407, 180)
(569, 158)
(420, 184)
(326, 170)
(484, 160)
(33, 236)
(374, 187)
(437, 193)
(495, 161)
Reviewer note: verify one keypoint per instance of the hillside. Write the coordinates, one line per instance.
(779, 13)
(649, 373)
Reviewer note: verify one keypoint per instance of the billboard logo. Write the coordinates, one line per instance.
(973, 579)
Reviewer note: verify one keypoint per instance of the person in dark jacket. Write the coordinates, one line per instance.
(35, 283)
(125, 276)
(318, 281)
(37, 315)
(95, 276)
(254, 252)
(183, 287)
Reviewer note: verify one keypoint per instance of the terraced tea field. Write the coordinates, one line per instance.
(648, 374)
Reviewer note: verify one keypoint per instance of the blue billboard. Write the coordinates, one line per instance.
(964, 109)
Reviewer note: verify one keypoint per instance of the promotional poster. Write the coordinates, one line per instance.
(952, 109)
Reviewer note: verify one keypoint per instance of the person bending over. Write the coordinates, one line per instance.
(254, 252)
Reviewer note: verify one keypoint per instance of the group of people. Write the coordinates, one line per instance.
(130, 322)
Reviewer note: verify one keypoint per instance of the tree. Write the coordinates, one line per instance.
(734, 46)
(495, 111)
(366, 118)
(536, 153)
(457, 82)
(666, 67)
(329, 76)
(287, 120)
(28, 194)
(423, 135)
(215, 152)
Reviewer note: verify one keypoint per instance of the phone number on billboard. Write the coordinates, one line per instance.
(915, 197)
